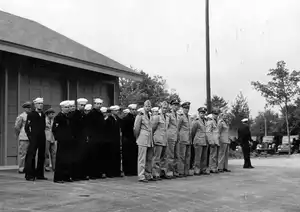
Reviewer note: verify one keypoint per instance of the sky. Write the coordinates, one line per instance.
(167, 38)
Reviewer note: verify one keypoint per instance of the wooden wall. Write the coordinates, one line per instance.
(28, 78)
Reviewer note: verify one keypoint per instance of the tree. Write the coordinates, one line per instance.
(280, 90)
(240, 110)
(218, 102)
(152, 88)
(268, 119)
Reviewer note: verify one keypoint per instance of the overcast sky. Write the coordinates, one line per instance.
(167, 37)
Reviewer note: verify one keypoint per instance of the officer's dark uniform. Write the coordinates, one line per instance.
(95, 127)
(35, 130)
(79, 171)
(129, 146)
(62, 132)
(113, 128)
(244, 136)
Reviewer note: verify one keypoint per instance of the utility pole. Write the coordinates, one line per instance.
(208, 96)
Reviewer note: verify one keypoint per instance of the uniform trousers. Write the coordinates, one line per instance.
(145, 155)
(200, 159)
(50, 154)
(184, 159)
(159, 160)
(33, 169)
(23, 147)
(213, 157)
(246, 153)
(223, 156)
(172, 158)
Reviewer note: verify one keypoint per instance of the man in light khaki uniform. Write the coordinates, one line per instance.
(200, 143)
(184, 130)
(160, 138)
(22, 136)
(173, 145)
(223, 126)
(143, 132)
(213, 140)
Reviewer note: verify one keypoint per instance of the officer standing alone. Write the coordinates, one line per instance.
(244, 137)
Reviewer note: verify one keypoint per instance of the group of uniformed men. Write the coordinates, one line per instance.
(92, 142)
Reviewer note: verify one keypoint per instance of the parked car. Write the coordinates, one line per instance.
(267, 145)
(284, 147)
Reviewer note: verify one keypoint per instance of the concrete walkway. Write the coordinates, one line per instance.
(274, 185)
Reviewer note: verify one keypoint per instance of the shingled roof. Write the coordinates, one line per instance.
(27, 33)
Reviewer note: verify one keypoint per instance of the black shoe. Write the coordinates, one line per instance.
(251, 167)
(21, 172)
(41, 178)
(85, 178)
(220, 170)
(58, 181)
(30, 178)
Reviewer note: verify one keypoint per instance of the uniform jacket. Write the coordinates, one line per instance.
(173, 127)
(78, 124)
(184, 129)
(35, 126)
(223, 131)
(127, 127)
(159, 125)
(199, 132)
(112, 129)
(48, 130)
(212, 132)
(244, 134)
(95, 125)
(61, 128)
(20, 125)
(143, 130)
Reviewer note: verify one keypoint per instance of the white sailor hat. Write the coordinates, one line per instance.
(103, 109)
(140, 110)
(115, 107)
(126, 111)
(88, 107)
(209, 116)
(132, 106)
(38, 100)
(65, 103)
(82, 101)
(72, 102)
(154, 109)
(245, 120)
(98, 100)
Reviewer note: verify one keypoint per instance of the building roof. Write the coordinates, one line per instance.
(27, 33)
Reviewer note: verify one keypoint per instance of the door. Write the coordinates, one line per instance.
(2, 102)
(48, 87)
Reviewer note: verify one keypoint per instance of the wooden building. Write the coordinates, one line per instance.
(36, 61)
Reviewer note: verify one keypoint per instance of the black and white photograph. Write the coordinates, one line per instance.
(149, 106)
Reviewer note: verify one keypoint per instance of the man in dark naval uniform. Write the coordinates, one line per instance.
(62, 133)
(244, 137)
(113, 127)
(95, 126)
(79, 172)
(129, 146)
(35, 129)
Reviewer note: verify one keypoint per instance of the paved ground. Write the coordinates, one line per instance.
(273, 186)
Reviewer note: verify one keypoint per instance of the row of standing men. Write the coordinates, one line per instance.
(89, 142)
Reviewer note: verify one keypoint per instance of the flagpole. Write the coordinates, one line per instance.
(208, 89)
